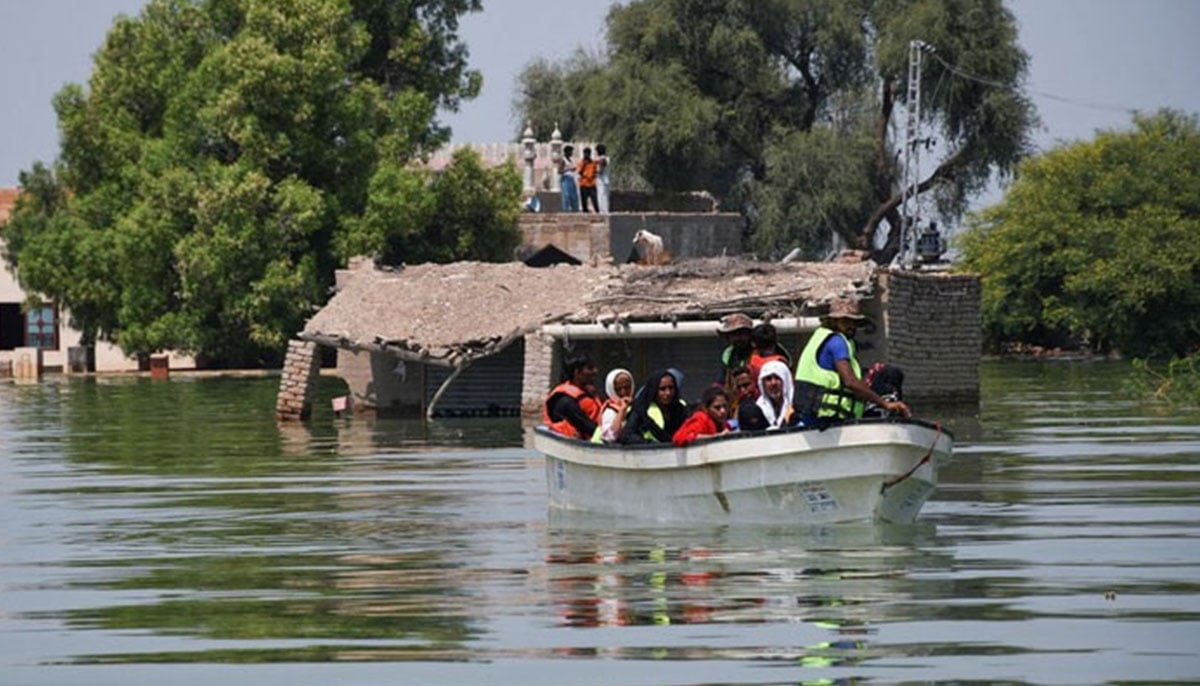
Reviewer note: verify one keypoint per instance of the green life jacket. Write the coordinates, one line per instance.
(729, 361)
(654, 412)
(819, 391)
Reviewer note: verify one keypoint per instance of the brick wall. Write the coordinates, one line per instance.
(933, 332)
(537, 375)
(296, 382)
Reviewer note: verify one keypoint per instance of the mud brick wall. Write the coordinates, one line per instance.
(934, 333)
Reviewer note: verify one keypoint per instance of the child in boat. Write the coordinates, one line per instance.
(707, 420)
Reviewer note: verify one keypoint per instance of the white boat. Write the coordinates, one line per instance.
(865, 470)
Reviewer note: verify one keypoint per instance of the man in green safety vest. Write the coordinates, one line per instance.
(829, 383)
(736, 330)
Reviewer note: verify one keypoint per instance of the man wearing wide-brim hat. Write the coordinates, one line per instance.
(829, 383)
(735, 329)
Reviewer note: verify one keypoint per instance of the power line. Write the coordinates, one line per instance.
(1051, 96)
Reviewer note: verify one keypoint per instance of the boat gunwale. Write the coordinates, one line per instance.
(808, 442)
(545, 431)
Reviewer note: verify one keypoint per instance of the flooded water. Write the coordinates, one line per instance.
(173, 533)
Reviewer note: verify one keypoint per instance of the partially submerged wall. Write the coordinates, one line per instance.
(297, 380)
(382, 382)
(385, 384)
(933, 331)
(537, 376)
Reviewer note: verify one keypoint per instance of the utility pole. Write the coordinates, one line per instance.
(910, 209)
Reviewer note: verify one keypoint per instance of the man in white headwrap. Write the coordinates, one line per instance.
(773, 409)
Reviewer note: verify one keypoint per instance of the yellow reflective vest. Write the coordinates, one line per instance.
(819, 391)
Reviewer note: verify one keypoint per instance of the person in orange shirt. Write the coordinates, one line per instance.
(587, 170)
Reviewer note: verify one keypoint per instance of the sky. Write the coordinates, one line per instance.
(1092, 61)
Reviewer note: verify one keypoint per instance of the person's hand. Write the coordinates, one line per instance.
(897, 407)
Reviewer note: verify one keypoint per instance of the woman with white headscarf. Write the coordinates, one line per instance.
(773, 409)
(618, 392)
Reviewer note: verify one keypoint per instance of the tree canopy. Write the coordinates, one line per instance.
(786, 109)
(1096, 242)
(225, 156)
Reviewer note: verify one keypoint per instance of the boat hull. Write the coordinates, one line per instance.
(862, 471)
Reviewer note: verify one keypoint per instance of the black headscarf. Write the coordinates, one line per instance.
(639, 422)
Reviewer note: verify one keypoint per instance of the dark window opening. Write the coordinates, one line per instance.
(12, 326)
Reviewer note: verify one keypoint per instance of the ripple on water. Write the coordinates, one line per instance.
(177, 524)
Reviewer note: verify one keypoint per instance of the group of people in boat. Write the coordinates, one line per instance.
(759, 389)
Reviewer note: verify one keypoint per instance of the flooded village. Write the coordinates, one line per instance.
(476, 339)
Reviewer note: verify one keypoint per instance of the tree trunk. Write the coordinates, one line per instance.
(883, 180)
(889, 206)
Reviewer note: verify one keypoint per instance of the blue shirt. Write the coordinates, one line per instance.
(835, 349)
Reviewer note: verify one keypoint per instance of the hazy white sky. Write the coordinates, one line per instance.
(1102, 56)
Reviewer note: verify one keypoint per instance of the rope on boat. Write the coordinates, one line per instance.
(928, 456)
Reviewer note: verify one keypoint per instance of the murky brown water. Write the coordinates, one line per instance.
(173, 533)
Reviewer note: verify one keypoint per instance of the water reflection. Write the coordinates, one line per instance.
(835, 582)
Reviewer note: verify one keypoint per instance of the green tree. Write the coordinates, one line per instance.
(465, 212)
(221, 150)
(1095, 242)
(718, 95)
(553, 92)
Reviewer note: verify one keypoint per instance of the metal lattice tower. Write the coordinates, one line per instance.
(910, 209)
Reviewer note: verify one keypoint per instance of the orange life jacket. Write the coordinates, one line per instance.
(587, 403)
(607, 404)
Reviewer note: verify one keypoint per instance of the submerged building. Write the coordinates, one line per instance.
(36, 335)
(469, 339)
(472, 339)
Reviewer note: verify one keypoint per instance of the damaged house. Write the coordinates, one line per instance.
(475, 339)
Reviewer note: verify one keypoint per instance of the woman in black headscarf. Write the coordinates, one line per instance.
(658, 411)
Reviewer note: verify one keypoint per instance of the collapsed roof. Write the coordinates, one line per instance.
(452, 314)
